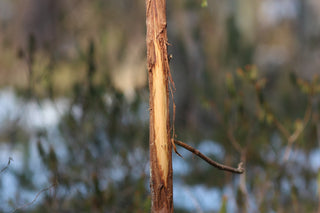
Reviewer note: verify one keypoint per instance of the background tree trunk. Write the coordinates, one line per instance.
(160, 143)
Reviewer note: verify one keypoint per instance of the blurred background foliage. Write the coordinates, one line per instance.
(74, 105)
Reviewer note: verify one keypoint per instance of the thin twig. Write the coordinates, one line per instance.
(194, 200)
(281, 128)
(292, 138)
(8, 164)
(35, 198)
(172, 90)
(233, 141)
(238, 170)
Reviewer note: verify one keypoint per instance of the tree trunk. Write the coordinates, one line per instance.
(160, 143)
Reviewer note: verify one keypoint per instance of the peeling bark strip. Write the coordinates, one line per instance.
(160, 143)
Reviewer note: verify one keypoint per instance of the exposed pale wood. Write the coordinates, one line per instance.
(160, 107)
(160, 143)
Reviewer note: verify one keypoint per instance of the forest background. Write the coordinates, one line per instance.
(74, 105)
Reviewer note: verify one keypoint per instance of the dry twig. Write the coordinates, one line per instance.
(238, 170)
(8, 164)
(35, 198)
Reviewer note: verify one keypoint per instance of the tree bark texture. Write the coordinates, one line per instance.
(160, 142)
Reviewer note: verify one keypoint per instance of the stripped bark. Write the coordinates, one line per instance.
(160, 143)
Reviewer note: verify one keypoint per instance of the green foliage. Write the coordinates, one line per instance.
(223, 208)
(204, 3)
